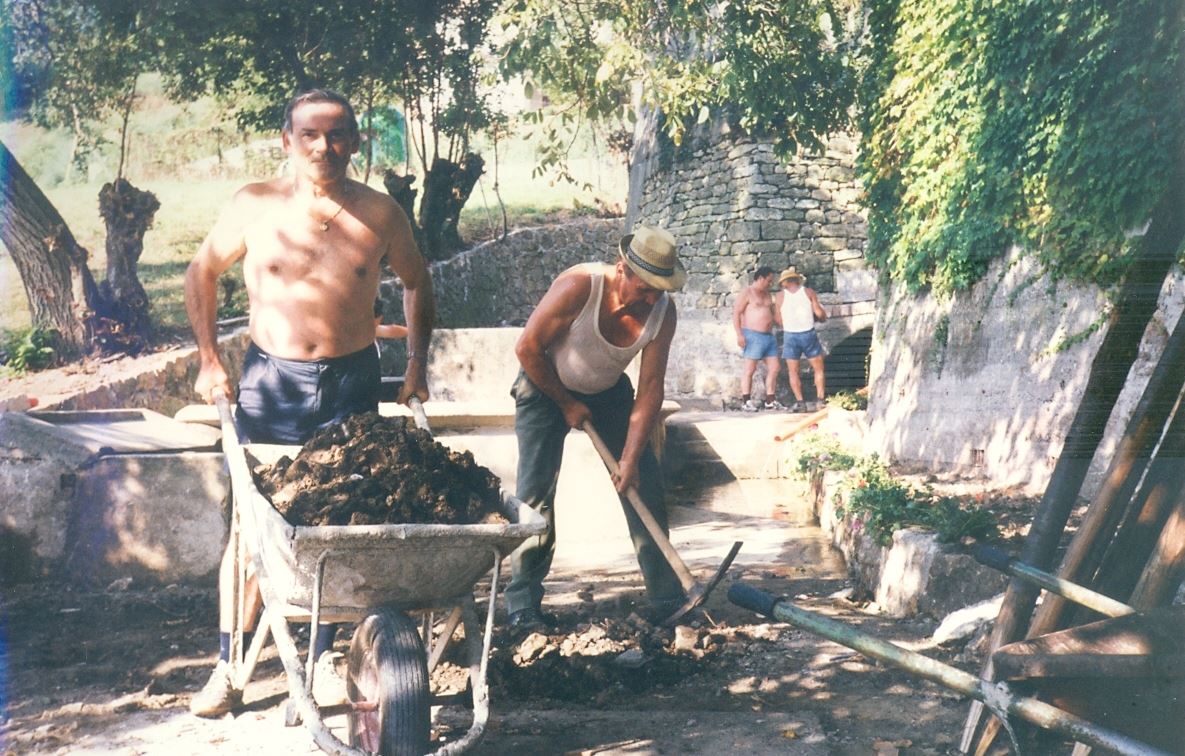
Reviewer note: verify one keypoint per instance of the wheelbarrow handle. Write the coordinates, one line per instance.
(418, 414)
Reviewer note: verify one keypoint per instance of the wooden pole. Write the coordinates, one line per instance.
(1086, 550)
(1133, 309)
(1162, 576)
(1138, 535)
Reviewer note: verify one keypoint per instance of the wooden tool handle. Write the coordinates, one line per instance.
(652, 526)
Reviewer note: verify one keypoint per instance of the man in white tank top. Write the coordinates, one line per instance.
(797, 309)
(574, 350)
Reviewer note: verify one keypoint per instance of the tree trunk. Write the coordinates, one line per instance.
(446, 190)
(51, 264)
(399, 187)
(127, 213)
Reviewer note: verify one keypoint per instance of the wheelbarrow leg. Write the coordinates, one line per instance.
(479, 656)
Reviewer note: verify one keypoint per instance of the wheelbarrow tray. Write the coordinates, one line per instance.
(409, 566)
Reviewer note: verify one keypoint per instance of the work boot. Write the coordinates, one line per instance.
(218, 696)
(533, 619)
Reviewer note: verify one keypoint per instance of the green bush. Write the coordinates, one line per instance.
(883, 504)
(848, 400)
(819, 451)
(26, 349)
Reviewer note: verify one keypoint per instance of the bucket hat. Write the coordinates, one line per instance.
(650, 253)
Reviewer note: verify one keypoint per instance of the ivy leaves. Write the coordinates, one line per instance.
(999, 122)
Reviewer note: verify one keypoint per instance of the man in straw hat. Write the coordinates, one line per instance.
(797, 309)
(574, 351)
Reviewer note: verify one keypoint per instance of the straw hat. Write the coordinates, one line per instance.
(650, 253)
(791, 273)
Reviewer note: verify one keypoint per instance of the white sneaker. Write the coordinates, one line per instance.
(329, 682)
(218, 696)
(749, 406)
(775, 405)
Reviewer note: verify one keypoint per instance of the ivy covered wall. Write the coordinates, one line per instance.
(1052, 126)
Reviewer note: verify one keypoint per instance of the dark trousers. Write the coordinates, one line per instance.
(540, 427)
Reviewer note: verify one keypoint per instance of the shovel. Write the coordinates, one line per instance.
(696, 592)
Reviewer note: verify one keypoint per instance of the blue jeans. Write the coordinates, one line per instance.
(540, 427)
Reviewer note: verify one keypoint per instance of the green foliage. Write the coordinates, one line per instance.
(848, 400)
(1049, 125)
(778, 68)
(820, 451)
(75, 62)
(26, 349)
(883, 504)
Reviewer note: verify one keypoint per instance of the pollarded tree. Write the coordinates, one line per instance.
(425, 57)
(77, 63)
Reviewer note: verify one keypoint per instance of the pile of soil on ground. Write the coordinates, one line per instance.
(373, 470)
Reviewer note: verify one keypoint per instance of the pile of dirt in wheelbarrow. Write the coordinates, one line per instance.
(373, 470)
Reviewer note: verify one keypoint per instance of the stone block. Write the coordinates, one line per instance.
(766, 214)
(767, 247)
(815, 216)
(829, 243)
(780, 230)
(744, 231)
(156, 518)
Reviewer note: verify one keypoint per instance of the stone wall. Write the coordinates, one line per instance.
(498, 283)
(988, 381)
(735, 206)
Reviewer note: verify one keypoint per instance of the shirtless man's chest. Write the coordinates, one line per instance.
(311, 290)
(759, 313)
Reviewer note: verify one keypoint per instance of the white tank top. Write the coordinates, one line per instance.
(797, 313)
(584, 360)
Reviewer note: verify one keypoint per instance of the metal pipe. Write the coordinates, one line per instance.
(997, 696)
(999, 560)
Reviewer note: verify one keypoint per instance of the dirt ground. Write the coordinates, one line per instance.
(112, 672)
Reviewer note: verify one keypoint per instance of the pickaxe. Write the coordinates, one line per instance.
(696, 592)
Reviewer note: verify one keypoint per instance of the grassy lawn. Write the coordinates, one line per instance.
(189, 208)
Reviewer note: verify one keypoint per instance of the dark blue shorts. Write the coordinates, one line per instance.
(801, 344)
(759, 345)
(287, 401)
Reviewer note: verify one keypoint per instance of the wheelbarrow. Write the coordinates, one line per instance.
(378, 576)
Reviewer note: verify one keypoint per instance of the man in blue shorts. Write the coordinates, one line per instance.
(753, 320)
(311, 246)
(797, 310)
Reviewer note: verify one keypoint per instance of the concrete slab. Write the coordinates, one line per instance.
(155, 518)
(130, 430)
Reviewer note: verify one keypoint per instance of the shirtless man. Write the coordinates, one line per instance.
(753, 321)
(574, 351)
(797, 309)
(311, 247)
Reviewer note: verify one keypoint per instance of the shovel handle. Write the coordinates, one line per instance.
(660, 538)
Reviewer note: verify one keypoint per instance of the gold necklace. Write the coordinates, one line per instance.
(340, 206)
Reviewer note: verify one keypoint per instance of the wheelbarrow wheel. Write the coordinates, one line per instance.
(387, 685)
